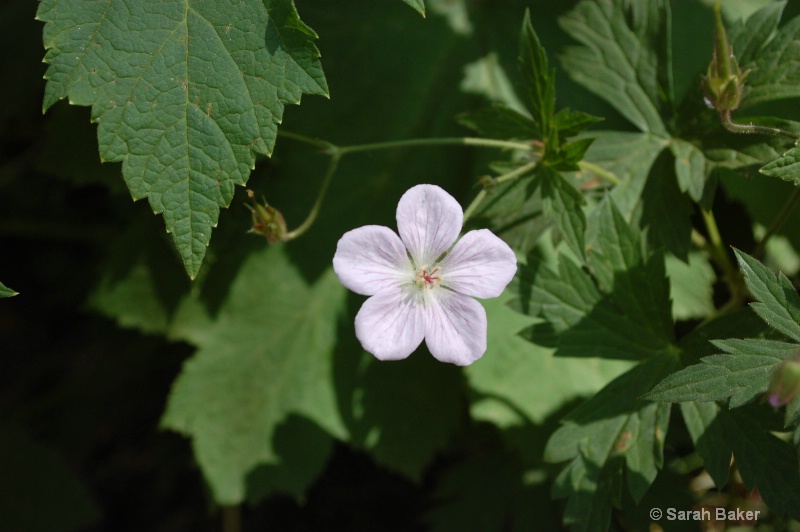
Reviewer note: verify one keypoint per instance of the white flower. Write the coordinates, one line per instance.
(418, 288)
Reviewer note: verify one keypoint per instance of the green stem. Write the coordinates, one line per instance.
(499, 180)
(325, 145)
(780, 221)
(720, 256)
(752, 129)
(716, 248)
(600, 172)
(337, 152)
(312, 216)
(441, 141)
(474, 205)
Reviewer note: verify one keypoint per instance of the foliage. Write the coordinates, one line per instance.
(220, 379)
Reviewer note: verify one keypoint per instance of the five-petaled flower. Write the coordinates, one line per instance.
(420, 283)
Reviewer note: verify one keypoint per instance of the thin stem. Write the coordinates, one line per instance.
(474, 205)
(337, 152)
(499, 180)
(600, 172)
(512, 175)
(780, 221)
(441, 141)
(716, 248)
(752, 129)
(324, 144)
(312, 216)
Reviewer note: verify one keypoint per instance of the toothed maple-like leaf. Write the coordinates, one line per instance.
(185, 94)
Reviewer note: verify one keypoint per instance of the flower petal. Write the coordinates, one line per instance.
(480, 265)
(391, 324)
(428, 220)
(455, 328)
(370, 259)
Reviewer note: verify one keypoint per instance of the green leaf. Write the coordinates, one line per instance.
(764, 461)
(267, 356)
(562, 203)
(690, 167)
(622, 267)
(691, 286)
(610, 437)
(742, 374)
(418, 5)
(499, 122)
(613, 62)
(185, 95)
(538, 80)
(569, 123)
(748, 38)
(738, 323)
(515, 214)
(776, 67)
(665, 211)
(786, 167)
(502, 378)
(593, 316)
(629, 156)
(709, 438)
(778, 303)
(6, 291)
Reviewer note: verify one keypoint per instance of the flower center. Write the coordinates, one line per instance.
(427, 278)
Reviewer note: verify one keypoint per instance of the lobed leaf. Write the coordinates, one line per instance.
(741, 374)
(776, 66)
(765, 461)
(612, 439)
(691, 286)
(266, 357)
(786, 167)
(502, 380)
(538, 80)
(622, 267)
(690, 167)
(186, 94)
(561, 202)
(709, 439)
(748, 38)
(778, 303)
(614, 62)
(499, 122)
(616, 314)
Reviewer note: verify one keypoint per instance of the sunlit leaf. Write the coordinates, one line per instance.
(742, 373)
(778, 303)
(185, 95)
(266, 357)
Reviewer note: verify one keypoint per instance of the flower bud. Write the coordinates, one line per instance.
(267, 220)
(724, 81)
(785, 383)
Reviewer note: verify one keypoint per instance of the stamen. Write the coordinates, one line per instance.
(427, 279)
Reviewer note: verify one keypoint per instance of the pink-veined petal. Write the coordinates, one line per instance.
(455, 328)
(391, 324)
(370, 259)
(479, 265)
(429, 221)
